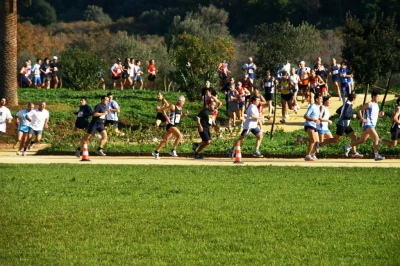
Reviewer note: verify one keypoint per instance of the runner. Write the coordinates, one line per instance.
(310, 126)
(294, 88)
(322, 127)
(5, 116)
(174, 118)
(269, 90)
(85, 111)
(256, 93)
(315, 83)
(112, 115)
(304, 74)
(345, 79)
(39, 119)
(137, 75)
(233, 106)
(204, 120)
(395, 128)
(161, 103)
(36, 72)
(152, 75)
(369, 123)
(100, 111)
(250, 69)
(23, 127)
(250, 125)
(116, 74)
(210, 98)
(343, 126)
(286, 96)
(243, 93)
(334, 72)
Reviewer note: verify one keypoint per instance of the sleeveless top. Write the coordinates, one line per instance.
(394, 125)
(269, 86)
(285, 87)
(241, 94)
(326, 115)
(314, 84)
(304, 75)
(371, 114)
(175, 116)
(335, 71)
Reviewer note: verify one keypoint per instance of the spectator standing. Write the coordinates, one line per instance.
(116, 74)
(36, 74)
(5, 116)
(44, 73)
(54, 71)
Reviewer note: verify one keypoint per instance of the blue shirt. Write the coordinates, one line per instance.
(313, 112)
(100, 108)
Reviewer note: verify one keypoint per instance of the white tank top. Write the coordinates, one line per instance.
(371, 114)
(325, 115)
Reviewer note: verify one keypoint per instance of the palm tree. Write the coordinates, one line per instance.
(8, 50)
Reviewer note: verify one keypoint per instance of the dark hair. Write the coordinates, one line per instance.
(109, 94)
(374, 93)
(351, 97)
(253, 98)
(316, 96)
(398, 100)
(103, 97)
(137, 61)
(37, 60)
(326, 98)
(84, 98)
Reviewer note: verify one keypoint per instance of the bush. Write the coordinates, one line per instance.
(79, 69)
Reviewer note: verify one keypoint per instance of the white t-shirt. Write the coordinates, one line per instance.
(250, 123)
(38, 118)
(36, 70)
(5, 114)
(112, 115)
(286, 68)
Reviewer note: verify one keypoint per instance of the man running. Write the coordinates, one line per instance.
(85, 111)
(369, 123)
(23, 127)
(395, 128)
(5, 116)
(204, 120)
(39, 119)
(174, 118)
(250, 125)
(100, 111)
(343, 126)
(312, 117)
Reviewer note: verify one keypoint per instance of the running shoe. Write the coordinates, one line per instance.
(156, 155)
(18, 152)
(30, 147)
(198, 156)
(230, 153)
(173, 153)
(268, 117)
(314, 157)
(78, 153)
(194, 146)
(283, 120)
(309, 158)
(298, 140)
(379, 157)
(318, 147)
(24, 153)
(100, 152)
(357, 155)
(346, 150)
(286, 116)
(258, 154)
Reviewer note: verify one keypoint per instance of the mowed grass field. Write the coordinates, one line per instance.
(196, 215)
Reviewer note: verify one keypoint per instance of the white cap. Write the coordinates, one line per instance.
(302, 63)
(54, 58)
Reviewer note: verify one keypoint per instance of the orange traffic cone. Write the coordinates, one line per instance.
(85, 153)
(238, 157)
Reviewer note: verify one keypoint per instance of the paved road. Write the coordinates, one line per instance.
(8, 156)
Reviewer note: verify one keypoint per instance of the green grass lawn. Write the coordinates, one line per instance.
(196, 215)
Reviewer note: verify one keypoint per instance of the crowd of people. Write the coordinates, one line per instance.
(244, 103)
(43, 74)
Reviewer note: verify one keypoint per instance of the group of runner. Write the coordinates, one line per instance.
(41, 74)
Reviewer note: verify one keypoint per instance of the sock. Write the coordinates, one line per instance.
(24, 148)
(100, 148)
(156, 151)
(32, 142)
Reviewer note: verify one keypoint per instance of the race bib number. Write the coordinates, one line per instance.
(210, 119)
(177, 119)
(103, 117)
(251, 71)
(268, 84)
(335, 72)
(80, 114)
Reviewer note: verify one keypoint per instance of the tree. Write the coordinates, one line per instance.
(281, 41)
(196, 60)
(40, 12)
(8, 51)
(96, 14)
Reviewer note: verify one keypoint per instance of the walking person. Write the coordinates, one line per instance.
(369, 123)
(175, 115)
(99, 113)
(250, 125)
(5, 116)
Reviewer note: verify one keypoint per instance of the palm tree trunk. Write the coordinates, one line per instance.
(8, 51)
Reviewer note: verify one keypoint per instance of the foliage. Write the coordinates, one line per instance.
(197, 60)
(96, 14)
(281, 41)
(40, 12)
(79, 69)
(371, 47)
(87, 214)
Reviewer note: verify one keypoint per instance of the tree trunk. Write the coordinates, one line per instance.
(8, 51)
(386, 92)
